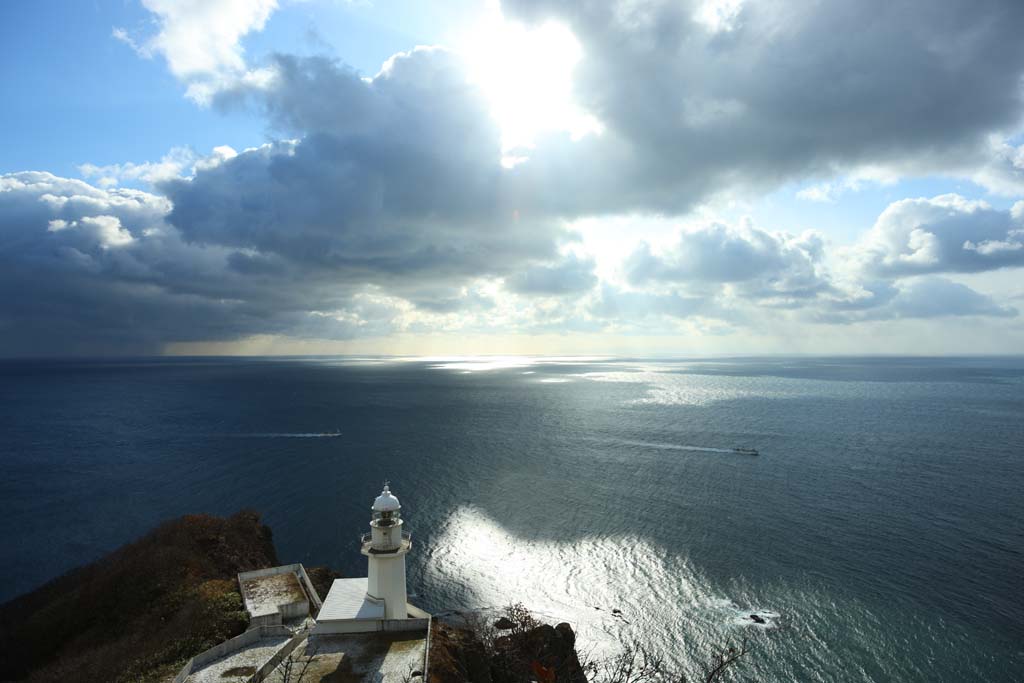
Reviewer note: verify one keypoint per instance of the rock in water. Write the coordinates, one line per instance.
(504, 624)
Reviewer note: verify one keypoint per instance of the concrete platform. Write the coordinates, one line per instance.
(240, 665)
(364, 657)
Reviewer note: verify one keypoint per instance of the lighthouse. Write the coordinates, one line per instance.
(385, 548)
(378, 601)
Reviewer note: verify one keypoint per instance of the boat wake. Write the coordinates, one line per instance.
(287, 435)
(684, 447)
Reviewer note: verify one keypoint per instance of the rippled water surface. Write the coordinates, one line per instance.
(880, 532)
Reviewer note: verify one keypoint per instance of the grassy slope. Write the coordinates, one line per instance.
(141, 611)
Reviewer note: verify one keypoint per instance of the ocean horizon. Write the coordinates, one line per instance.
(877, 534)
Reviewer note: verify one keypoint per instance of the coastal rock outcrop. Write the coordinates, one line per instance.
(541, 653)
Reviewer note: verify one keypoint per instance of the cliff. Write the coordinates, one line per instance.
(140, 611)
(514, 649)
(137, 614)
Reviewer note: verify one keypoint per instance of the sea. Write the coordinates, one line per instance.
(879, 533)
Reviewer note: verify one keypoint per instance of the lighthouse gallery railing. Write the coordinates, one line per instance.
(367, 542)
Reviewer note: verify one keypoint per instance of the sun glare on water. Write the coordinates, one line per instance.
(526, 74)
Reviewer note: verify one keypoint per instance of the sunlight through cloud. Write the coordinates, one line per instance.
(526, 74)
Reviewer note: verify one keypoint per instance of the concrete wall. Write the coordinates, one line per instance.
(228, 646)
(426, 651)
(265, 620)
(310, 591)
(326, 628)
(418, 620)
(293, 610)
(415, 612)
(268, 667)
(404, 624)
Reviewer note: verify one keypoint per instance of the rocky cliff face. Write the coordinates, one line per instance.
(542, 653)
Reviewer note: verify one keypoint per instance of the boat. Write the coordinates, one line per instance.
(746, 451)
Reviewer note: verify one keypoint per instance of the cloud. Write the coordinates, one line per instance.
(174, 164)
(925, 297)
(572, 275)
(201, 39)
(1003, 172)
(695, 98)
(618, 305)
(757, 264)
(396, 180)
(769, 91)
(943, 234)
(94, 270)
(382, 204)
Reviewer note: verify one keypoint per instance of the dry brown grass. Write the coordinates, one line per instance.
(140, 611)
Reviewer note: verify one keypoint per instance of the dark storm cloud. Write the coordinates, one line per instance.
(87, 270)
(792, 89)
(396, 179)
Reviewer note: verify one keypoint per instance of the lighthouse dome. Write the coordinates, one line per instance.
(386, 501)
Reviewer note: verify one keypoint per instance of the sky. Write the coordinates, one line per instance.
(635, 177)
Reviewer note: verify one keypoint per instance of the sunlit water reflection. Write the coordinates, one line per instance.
(878, 533)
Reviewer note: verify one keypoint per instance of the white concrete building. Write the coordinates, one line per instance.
(278, 594)
(378, 602)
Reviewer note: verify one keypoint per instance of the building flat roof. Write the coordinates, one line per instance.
(264, 594)
(347, 600)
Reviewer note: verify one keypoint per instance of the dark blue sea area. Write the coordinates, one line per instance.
(879, 534)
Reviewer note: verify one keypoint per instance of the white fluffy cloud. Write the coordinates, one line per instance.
(944, 234)
(201, 40)
(175, 163)
(1003, 171)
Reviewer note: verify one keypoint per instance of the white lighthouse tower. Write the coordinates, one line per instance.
(386, 547)
(377, 602)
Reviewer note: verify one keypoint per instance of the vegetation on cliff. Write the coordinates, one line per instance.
(136, 614)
